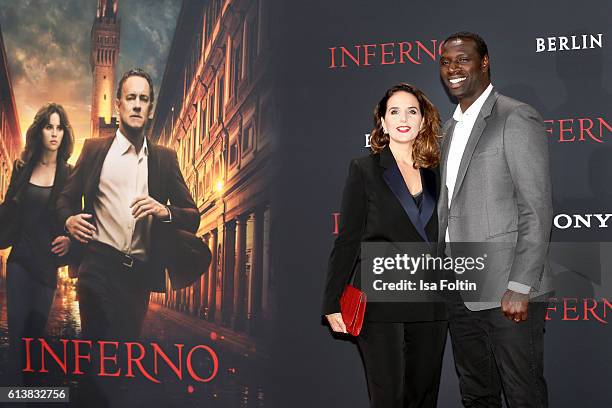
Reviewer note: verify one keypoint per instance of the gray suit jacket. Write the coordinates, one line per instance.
(502, 197)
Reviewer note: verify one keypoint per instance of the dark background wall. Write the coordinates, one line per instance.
(325, 114)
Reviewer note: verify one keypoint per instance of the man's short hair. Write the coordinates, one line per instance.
(136, 72)
(481, 45)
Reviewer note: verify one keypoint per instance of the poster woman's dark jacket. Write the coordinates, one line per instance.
(377, 207)
(12, 219)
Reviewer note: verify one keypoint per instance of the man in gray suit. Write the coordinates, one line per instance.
(495, 192)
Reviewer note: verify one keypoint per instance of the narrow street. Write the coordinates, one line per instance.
(238, 382)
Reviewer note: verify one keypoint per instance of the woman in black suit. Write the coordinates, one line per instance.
(391, 196)
(39, 243)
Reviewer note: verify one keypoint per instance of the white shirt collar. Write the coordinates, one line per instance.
(124, 144)
(474, 108)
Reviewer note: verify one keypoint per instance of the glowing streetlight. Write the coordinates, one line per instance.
(219, 186)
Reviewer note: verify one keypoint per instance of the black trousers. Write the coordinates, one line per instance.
(113, 302)
(28, 306)
(113, 299)
(494, 354)
(403, 362)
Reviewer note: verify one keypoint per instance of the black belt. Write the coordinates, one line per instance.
(113, 255)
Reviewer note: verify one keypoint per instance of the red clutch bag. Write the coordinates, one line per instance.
(352, 307)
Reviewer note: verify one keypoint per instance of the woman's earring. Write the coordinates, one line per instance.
(385, 130)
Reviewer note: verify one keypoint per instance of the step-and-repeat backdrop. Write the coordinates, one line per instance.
(335, 60)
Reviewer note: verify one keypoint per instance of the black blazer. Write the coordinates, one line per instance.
(377, 207)
(166, 184)
(11, 207)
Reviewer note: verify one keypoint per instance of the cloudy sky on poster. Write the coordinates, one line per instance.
(48, 44)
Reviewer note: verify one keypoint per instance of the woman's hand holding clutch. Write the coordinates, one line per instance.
(336, 322)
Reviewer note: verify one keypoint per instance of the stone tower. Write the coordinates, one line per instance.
(104, 55)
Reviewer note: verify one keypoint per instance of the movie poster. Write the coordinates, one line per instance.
(252, 111)
(203, 344)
